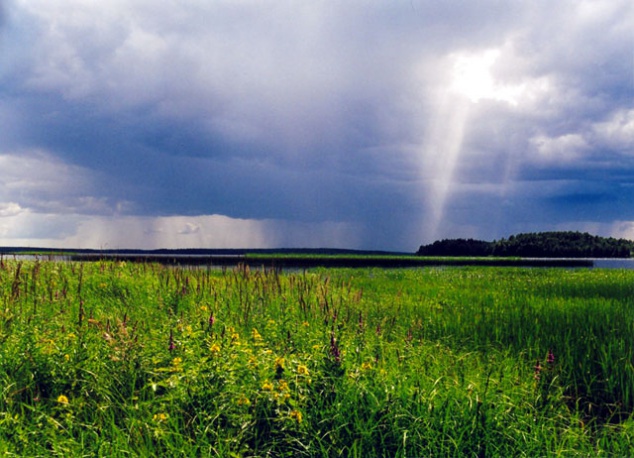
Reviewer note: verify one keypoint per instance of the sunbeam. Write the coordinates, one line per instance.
(442, 152)
(470, 81)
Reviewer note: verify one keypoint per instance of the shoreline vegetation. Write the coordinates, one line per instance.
(564, 244)
(547, 249)
(114, 358)
(543, 249)
(307, 261)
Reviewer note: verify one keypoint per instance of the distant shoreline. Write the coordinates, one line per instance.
(301, 260)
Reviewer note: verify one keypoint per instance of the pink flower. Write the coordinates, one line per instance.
(551, 357)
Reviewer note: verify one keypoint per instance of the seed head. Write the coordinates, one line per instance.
(538, 370)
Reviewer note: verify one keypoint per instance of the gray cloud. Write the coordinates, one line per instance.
(383, 117)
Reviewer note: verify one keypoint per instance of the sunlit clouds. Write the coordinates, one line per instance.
(262, 124)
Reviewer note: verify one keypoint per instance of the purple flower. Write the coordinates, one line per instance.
(334, 348)
(551, 357)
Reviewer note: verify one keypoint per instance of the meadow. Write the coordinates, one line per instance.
(136, 359)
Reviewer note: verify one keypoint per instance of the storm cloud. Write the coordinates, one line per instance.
(378, 125)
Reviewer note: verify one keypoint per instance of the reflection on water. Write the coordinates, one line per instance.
(614, 263)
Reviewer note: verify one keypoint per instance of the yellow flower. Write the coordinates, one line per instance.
(62, 399)
(282, 385)
(279, 363)
(256, 334)
(160, 417)
(177, 361)
(302, 370)
(305, 324)
(67, 357)
(366, 366)
(215, 348)
(243, 401)
(296, 415)
(204, 308)
(267, 386)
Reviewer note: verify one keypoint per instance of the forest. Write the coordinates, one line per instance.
(562, 244)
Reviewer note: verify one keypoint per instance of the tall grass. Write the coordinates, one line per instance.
(114, 359)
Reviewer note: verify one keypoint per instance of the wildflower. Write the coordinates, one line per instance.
(215, 348)
(334, 349)
(203, 308)
(302, 370)
(256, 335)
(177, 365)
(243, 401)
(282, 385)
(159, 417)
(212, 319)
(267, 386)
(279, 364)
(366, 366)
(62, 400)
(171, 346)
(305, 324)
(67, 357)
(296, 415)
(551, 358)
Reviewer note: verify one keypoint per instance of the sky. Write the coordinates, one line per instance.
(374, 124)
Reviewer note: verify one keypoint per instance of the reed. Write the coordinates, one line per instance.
(114, 359)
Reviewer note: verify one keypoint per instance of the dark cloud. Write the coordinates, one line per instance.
(324, 116)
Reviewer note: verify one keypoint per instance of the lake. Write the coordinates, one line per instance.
(294, 263)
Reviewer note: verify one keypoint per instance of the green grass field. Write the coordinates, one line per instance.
(114, 359)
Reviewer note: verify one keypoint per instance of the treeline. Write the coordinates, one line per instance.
(535, 245)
